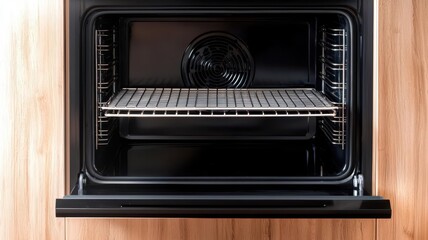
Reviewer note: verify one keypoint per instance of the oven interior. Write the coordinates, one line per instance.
(220, 98)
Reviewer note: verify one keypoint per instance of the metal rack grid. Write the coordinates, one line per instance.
(169, 102)
(333, 75)
(106, 78)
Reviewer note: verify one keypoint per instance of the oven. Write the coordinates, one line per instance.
(220, 109)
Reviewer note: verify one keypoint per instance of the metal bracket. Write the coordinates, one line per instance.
(81, 183)
(358, 183)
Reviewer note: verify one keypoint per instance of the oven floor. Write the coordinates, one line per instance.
(216, 159)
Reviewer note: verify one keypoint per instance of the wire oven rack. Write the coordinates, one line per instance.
(183, 102)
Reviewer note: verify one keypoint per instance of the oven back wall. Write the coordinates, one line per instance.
(281, 58)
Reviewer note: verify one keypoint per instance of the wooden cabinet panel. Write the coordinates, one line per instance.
(224, 229)
(403, 117)
(31, 118)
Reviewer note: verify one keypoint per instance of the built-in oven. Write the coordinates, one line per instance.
(220, 109)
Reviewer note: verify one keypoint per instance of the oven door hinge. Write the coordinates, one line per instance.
(81, 183)
(358, 183)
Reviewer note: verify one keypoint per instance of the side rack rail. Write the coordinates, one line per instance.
(333, 74)
(106, 80)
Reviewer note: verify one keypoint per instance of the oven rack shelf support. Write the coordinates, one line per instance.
(106, 79)
(333, 74)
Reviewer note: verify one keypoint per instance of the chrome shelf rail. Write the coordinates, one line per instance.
(333, 74)
(106, 80)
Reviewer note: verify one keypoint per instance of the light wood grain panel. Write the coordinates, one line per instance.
(192, 229)
(31, 118)
(322, 229)
(224, 229)
(403, 117)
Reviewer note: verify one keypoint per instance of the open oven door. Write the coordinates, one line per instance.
(103, 201)
(223, 206)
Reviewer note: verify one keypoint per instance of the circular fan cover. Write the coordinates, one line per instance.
(217, 60)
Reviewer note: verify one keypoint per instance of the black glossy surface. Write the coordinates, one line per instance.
(217, 60)
(224, 206)
(217, 160)
(295, 128)
(281, 48)
(290, 42)
(87, 4)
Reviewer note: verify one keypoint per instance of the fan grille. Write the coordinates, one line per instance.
(217, 60)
